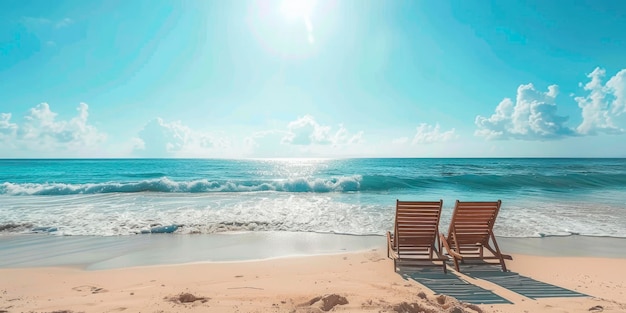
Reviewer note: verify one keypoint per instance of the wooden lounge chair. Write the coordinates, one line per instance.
(415, 234)
(471, 232)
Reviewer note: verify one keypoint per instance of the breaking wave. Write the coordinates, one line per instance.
(353, 183)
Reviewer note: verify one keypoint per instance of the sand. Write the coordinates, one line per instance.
(357, 281)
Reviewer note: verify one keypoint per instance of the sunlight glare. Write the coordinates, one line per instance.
(295, 9)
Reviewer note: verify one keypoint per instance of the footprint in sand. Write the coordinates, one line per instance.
(90, 289)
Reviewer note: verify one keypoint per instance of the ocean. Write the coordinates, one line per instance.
(113, 197)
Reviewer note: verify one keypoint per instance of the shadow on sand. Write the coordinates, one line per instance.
(452, 285)
(517, 283)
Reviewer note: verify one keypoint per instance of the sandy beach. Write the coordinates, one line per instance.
(361, 279)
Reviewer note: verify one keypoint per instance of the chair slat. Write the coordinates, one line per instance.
(416, 231)
(471, 230)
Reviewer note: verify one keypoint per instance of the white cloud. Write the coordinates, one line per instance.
(306, 131)
(617, 86)
(41, 126)
(598, 111)
(162, 139)
(427, 134)
(6, 127)
(303, 137)
(41, 132)
(532, 117)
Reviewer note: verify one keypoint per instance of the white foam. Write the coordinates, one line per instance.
(295, 184)
(133, 213)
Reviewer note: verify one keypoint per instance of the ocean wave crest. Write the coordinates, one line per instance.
(318, 185)
(351, 183)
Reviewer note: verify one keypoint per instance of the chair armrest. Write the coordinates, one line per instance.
(451, 252)
(391, 252)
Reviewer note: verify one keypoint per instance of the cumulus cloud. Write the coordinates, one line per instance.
(41, 126)
(302, 137)
(306, 131)
(6, 127)
(159, 138)
(617, 86)
(531, 117)
(427, 134)
(533, 114)
(603, 104)
(43, 132)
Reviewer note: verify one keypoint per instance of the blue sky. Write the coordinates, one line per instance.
(307, 78)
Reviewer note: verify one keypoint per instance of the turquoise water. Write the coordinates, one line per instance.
(541, 197)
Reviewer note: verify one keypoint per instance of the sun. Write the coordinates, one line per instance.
(296, 9)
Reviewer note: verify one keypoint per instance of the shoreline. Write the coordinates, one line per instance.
(101, 253)
(364, 278)
(51, 273)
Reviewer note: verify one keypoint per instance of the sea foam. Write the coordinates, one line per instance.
(302, 184)
(115, 214)
(541, 197)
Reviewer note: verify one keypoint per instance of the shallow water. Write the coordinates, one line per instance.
(541, 197)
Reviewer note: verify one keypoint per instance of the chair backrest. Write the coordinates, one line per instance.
(472, 222)
(417, 223)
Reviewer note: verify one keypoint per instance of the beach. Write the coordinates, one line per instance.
(307, 156)
(123, 274)
(170, 235)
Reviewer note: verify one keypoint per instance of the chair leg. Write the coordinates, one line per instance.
(502, 262)
(499, 254)
(456, 263)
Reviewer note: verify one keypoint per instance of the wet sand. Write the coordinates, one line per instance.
(283, 272)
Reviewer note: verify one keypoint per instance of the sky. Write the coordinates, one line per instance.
(312, 78)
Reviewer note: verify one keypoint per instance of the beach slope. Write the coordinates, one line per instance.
(351, 282)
